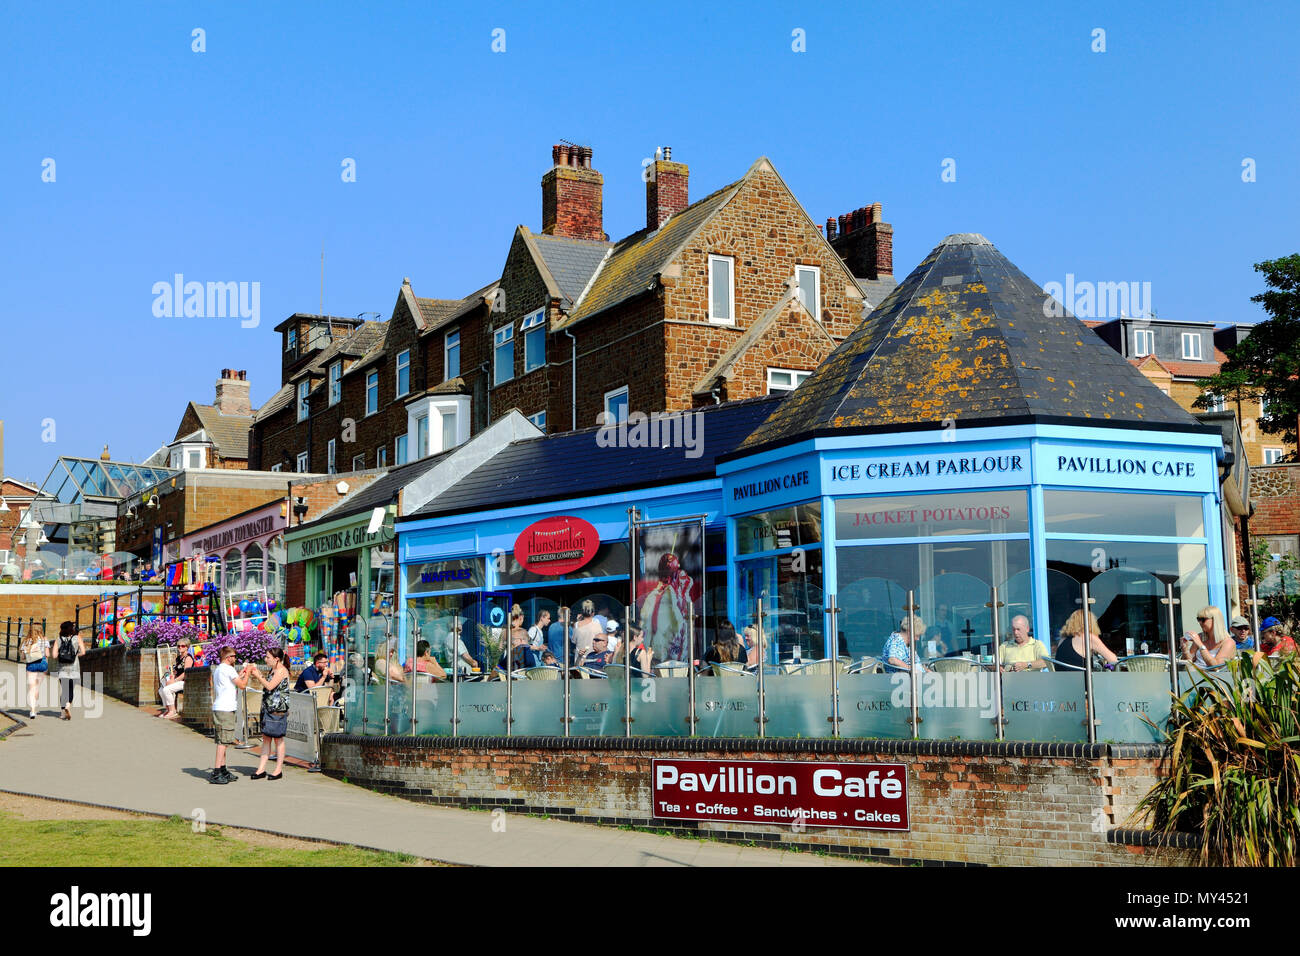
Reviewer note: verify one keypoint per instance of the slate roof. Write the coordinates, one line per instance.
(544, 469)
(967, 336)
(361, 340)
(640, 257)
(229, 433)
(435, 309)
(382, 490)
(464, 306)
(276, 402)
(876, 291)
(572, 263)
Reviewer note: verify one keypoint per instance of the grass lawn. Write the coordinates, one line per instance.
(150, 842)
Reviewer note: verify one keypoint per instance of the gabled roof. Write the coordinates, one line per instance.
(1138, 363)
(353, 345)
(969, 337)
(570, 262)
(638, 259)
(542, 469)
(721, 369)
(465, 306)
(279, 400)
(228, 433)
(433, 310)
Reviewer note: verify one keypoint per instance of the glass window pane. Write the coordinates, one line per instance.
(923, 516)
(253, 566)
(448, 430)
(790, 587)
(783, 528)
(1097, 512)
(234, 565)
(720, 271)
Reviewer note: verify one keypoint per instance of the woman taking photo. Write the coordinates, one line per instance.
(275, 712)
(1071, 649)
(1214, 646)
(33, 651)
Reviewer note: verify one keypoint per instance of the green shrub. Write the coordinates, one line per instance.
(1232, 772)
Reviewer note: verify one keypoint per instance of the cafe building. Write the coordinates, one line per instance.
(968, 452)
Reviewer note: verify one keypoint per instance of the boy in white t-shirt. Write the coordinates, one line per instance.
(225, 681)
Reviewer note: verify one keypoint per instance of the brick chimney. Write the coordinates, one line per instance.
(666, 189)
(864, 241)
(571, 195)
(233, 393)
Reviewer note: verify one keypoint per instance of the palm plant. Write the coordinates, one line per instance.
(1232, 771)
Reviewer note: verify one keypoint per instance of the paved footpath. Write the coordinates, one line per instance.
(126, 758)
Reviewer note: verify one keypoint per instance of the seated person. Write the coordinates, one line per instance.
(426, 663)
(750, 639)
(600, 654)
(1071, 649)
(643, 658)
(899, 652)
(1022, 652)
(386, 663)
(727, 647)
(548, 660)
(173, 682)
(940, 632)
(1272, 641)
(1213, 646)
(1241, 633)
(314, 674)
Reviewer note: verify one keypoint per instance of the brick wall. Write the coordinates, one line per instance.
(970, 803)
(129, 675)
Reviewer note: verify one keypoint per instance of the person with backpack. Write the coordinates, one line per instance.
(71, 649)
(33, 651)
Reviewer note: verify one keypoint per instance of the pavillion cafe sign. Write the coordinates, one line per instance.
(556, 545)
(869, 796)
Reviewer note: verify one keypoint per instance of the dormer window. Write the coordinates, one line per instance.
(1192, 346)
(291, 341)
(1144, 342)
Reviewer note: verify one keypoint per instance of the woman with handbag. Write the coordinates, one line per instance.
(275, 712)
(33, 651)
(71, 649)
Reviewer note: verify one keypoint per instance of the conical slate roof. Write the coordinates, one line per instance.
(969, 337)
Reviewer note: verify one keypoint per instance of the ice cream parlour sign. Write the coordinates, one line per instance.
(556, 545)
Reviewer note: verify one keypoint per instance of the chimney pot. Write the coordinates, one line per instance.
(830, 227)
(865, 241)
(667, 191)
(571, 198)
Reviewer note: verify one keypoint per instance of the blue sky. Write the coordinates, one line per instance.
(225, 165)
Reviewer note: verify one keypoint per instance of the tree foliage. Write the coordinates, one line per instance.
(1267, 364)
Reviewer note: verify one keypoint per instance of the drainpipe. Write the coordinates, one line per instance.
(573, 382)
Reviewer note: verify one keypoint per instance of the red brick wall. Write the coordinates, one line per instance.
(996, 808)
(53, 604)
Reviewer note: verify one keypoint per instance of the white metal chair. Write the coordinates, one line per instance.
(672, 669)
(953, 665)
(541, 672)
(866, 665)
(729, 670)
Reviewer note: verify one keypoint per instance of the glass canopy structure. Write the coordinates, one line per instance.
(78, 501)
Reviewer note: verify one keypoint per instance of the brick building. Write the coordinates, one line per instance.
(16, 498)
(736, 295)
(1175, 355)
(213, 436)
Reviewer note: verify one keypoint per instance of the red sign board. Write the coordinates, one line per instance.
(865, 796)
(556, 545)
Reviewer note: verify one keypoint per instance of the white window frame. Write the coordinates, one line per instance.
(331, 457)
(1192, 337)
(304, 399)
(381, 456)
(816, 310)
(539, 419)
(335, 382)
(372, 392)
(797, 378)
(450, 343)
(403, 365)
(614, 393)
(731, 289)
(436, 411)
(1216, 403)
(534, 327)
(1263, 407)
(1273, 455)
(400, 444)
(277, 466)
(500, 337)
(358, 462)
(302, 462)
(1141, 337)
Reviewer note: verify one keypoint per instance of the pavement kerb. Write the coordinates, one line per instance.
(222, 823)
